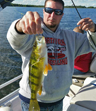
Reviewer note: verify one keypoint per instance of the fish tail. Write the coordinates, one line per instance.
(34, 106)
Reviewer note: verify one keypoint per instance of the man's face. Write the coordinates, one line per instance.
(52, 20)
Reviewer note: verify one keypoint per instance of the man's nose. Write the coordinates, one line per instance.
(53, 14)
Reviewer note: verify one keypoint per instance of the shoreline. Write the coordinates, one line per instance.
(22, 5)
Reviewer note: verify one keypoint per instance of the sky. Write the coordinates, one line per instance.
(67, 2)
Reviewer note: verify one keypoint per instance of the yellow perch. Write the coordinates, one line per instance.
(37, 67)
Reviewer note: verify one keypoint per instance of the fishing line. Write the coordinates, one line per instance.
(76, 9)
(22, 14)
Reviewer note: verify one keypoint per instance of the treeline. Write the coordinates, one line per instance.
(21, 5)
(74, 7)
(79, 6)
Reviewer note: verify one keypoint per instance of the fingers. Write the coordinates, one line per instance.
(86, 24)
(38, 23)
(30, 23)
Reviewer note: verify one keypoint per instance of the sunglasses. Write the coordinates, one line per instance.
(56, 11)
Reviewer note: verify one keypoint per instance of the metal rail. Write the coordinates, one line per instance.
(10, 81)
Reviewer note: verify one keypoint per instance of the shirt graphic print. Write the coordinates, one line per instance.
(56, 48)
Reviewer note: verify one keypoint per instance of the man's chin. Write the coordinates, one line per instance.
(52, 26)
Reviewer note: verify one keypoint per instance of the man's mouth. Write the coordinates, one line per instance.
(51, 20)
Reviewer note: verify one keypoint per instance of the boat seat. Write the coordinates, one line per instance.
(74, 107)
(84, 76)
(78, 79)
(86, 97)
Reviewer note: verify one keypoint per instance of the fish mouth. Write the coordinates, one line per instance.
(57, 55)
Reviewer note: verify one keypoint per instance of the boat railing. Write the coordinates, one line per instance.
(10, 81)
(9, 99)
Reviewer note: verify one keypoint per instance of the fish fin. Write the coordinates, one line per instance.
(45, 70)
(34, 106)
(40, 90)
(49, 67)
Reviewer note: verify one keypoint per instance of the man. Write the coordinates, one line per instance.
(63, 46)
(82, 62)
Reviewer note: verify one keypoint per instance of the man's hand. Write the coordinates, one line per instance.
(86, 24)
(30, 23)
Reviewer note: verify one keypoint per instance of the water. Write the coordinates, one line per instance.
(10, 61)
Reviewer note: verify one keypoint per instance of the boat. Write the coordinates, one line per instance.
(83, 89)
(4, 3)
(81, 96)
(11, 100)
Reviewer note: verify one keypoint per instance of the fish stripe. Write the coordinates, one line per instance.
(33, 99)
(32, 75)
(33, 83)
(33, 66)
(33, 91)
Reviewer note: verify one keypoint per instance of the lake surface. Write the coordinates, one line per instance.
(10, 61)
